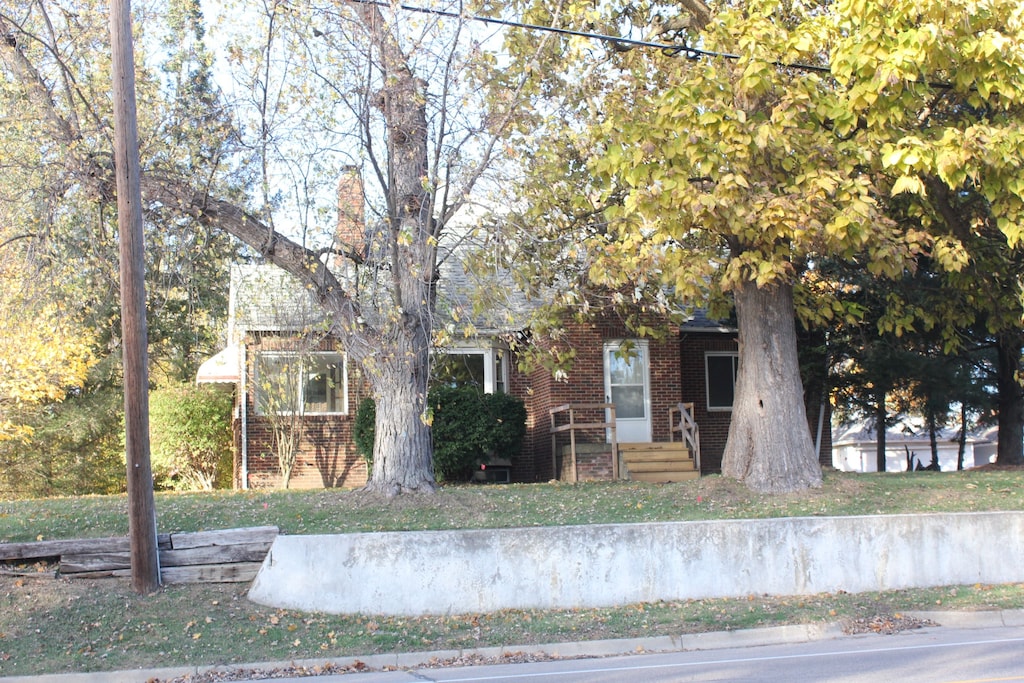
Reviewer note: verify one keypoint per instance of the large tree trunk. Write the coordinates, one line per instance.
(769, 446)
(1010, 401)
(402, 447)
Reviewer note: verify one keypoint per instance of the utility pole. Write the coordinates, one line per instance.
(141, 506)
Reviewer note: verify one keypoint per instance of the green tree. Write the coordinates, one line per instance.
(62, 233)
(75, 446)
(939, 95)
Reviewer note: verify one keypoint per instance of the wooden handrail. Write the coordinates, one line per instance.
(687, 427)
(571, 426)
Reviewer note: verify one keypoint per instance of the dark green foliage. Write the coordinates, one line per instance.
(363, 429)
(507, 417)
(459, 431)
(191, 437)
(468, 428)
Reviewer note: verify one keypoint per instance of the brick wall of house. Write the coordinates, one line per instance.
(713, 425)
(584, 383)
(327, 458)
(592, 464)
(524, 467)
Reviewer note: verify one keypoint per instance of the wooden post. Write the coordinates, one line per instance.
(615, 443)
(141, 506)
(555, 474)
(572, 443)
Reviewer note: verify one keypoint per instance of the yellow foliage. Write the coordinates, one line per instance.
(42, 356)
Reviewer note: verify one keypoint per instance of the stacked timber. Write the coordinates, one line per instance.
(225, 555)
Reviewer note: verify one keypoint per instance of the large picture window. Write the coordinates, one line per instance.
(720, 373)
(304, 383)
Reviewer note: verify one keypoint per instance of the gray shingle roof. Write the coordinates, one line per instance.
(265, 298)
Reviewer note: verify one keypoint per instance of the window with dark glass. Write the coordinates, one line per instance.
(721, 370)
(460, 370)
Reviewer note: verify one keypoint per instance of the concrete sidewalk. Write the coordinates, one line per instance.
(773, 635)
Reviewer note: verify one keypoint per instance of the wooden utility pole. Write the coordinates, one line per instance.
(141, 506)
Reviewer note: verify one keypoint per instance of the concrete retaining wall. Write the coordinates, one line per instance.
(442, 572)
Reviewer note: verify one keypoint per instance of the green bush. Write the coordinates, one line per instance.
(468, 428)
(363, 429)
(507, 415)
(471, 428)
(190, 436)
(459, 431)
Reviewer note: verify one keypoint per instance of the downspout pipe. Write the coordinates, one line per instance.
(243, 395)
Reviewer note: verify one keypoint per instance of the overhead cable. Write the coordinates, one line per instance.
(670, 49)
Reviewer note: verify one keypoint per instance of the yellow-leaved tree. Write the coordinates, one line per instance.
(42, 354)
(770, 137)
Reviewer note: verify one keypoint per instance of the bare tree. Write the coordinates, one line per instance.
(395, 94)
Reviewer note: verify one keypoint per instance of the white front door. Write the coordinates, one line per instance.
(627, 385)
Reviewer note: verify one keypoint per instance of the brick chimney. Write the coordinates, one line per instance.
(351, 232)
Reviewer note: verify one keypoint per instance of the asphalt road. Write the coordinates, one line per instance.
(936, 655)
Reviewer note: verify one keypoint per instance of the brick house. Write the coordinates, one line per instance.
(694, 363)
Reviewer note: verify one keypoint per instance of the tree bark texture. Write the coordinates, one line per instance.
(1011, 401)
(402, 447)
(145, 564)
(769, 446)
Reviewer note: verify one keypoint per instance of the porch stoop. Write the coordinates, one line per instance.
(657, 462)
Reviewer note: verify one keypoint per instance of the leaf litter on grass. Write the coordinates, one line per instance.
(51, 626)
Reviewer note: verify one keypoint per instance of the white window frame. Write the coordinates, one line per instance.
(707, 378)
(343, 371)
(492, 354)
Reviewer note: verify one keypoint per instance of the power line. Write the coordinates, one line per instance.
(670, 49)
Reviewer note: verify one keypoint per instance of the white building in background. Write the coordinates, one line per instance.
(854, 447)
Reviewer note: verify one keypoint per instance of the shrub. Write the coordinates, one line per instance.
(459, 431)
(191, 437)
(363, 429)
(470, 428)
(507, 415)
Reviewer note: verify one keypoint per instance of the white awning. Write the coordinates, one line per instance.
(221, 368)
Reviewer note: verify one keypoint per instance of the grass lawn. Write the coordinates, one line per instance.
(51, 626)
